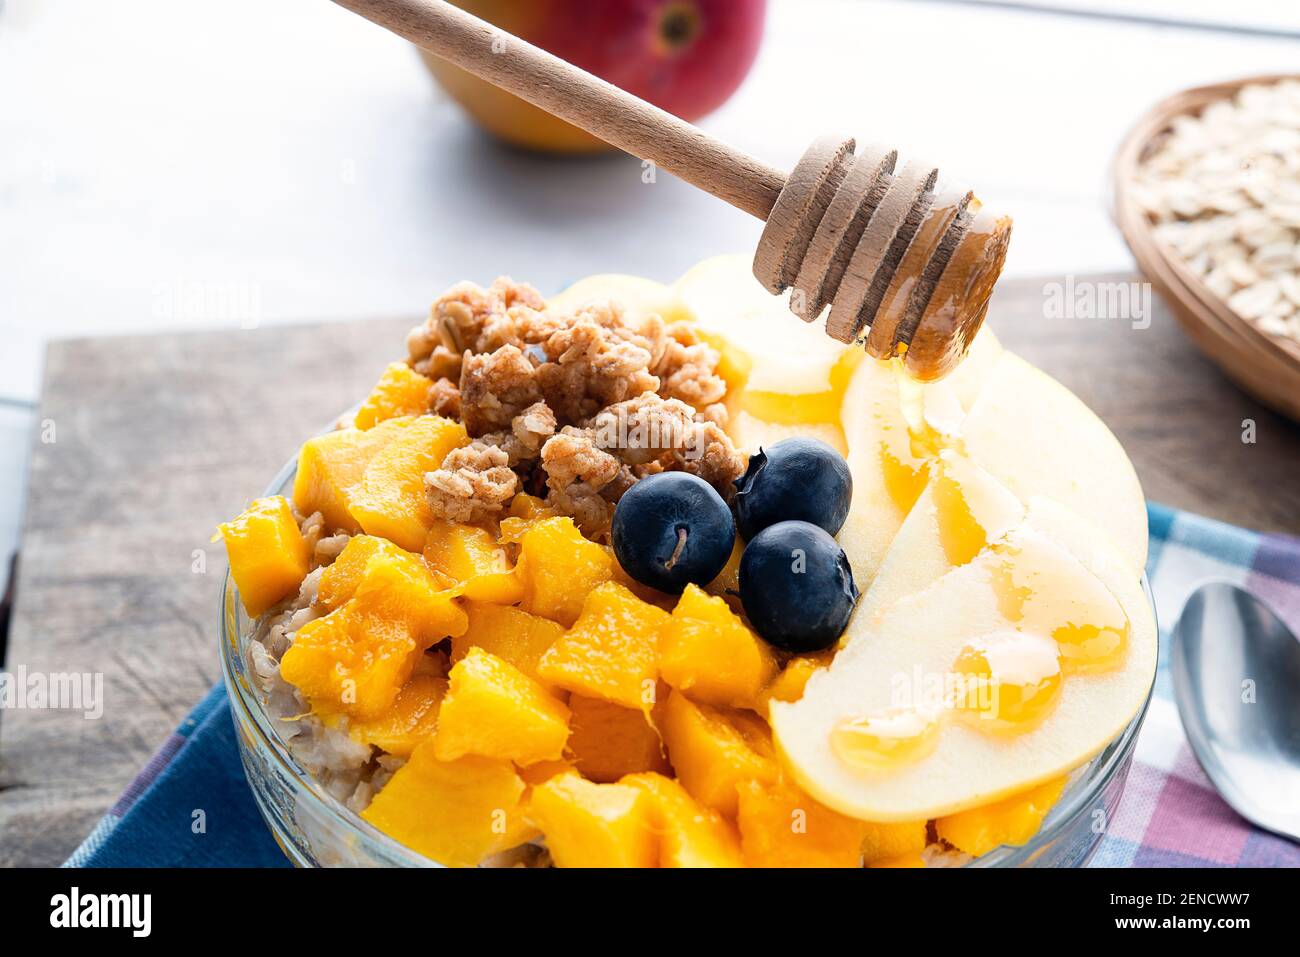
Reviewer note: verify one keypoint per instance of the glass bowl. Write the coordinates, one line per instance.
(315, 829)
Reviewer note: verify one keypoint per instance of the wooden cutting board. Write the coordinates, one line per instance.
(158, 438)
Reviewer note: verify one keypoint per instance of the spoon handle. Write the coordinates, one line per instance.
(586, 101)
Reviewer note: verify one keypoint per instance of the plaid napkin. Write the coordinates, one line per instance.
(1170, 814)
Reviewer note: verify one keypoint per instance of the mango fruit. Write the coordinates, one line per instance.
(610, 652)
(494, 710)
(390, 500)
(267, 553)
(412, 718)
(510, 634)
(471, 557)
(357, 658)
(1013, 820)
(608, 741)
(788, 685)
(690, 835)
(331, 465)
(558, 568)
(400, 391)
(339, 581)
(710, 655)
(715, 750)
(351, 662)
(780, 826)
(885, 842)
(454, 812)
(595, 825)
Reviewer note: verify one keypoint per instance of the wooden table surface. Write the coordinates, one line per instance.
(155, 439)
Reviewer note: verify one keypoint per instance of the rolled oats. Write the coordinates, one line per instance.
(1223, 192)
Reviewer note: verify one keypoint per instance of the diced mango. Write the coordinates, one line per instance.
(906, 860)
(690, 835)
(780, 826)
(608, 741)
(882, 842)
(494, 710)
(339, 581)
(412, 718)
(351, 662)
(454, 812)
(610, 652)
(714, 751)
(727, 584)
(470, 556)
(594, 825)
(508, 633)
(543, 771)
(1013, 820)
(710, 655)
(789, 684)
(400, 391)
(267, 553)
(390, 500)
(528, 507)
(559, 568)
(398, 585)
(331, 465)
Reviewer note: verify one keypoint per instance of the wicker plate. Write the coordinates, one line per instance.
(1265, 366)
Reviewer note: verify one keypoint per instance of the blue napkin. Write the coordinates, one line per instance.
(157, 820)
(1170, 815)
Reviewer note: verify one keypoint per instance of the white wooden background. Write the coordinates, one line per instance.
(217, 162)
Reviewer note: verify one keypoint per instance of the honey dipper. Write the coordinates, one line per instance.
(906, 269)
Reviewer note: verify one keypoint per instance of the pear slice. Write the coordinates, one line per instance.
(1072, 574)
(1038, 438)
(637, 295)
(893, 426)
(789, 357)
(961, 510)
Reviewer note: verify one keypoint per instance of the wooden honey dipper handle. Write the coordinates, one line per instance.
(904, 271)
(580, 98)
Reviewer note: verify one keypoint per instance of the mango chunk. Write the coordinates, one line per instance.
(608, 741)
(494, 710)
(780, 826)
(594, 825)
(905, 860)
(559, 568)
(714, 751)
(710, 655)
(1013, 820)
(789, 684)
(884, 842)
(331, 465)
(508, 633)
(727, 585)
(610, 652)
(690, 835)
(390, 501)
(398, 585)
(412, 718)
(400, 391)
(351, 662)
(267, 553)
(339, 581)
(453, 812)
(470, 556)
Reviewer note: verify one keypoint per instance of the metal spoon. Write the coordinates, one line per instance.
(1237, 684)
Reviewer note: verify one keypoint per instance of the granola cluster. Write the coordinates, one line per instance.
(576, 404)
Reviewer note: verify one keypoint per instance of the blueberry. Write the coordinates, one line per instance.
(797, 586)
(671, 529)
(795, 479)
